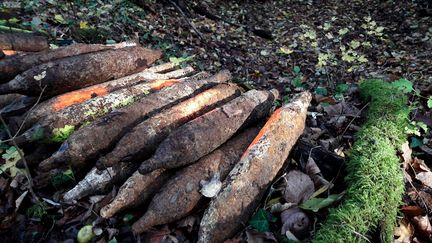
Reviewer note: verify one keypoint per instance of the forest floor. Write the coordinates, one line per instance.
(322, 46)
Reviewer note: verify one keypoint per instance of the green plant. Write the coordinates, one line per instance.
(11, 157)
(261, 220)
(62, 178)
(298, 77)
(38, 210)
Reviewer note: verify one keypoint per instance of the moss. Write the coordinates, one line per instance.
(59, 135)
(374, 178)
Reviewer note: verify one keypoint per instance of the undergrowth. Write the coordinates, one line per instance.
(374, 179)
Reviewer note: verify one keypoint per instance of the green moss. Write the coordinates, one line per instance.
(374, 179)
(59, 135)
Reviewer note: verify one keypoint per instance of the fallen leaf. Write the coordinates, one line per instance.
(406, 154)
(189, 222)
(419, 165)
(298, 187)
(411, 210)
(19, 200)
(211, 188)
(425, 178)
(423, 226)
(260, 220)
(295, 221)
(404, 232)
(259, 237)
(315, 204)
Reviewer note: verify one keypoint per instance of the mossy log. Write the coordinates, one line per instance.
(374, 179)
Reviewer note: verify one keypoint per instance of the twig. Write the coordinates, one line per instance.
(352, 120)
(187, 20)
(21, 154)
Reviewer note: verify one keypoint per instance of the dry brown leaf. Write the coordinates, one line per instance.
(257, 237)
(419, 165)
(425, 178)
(411, 210)
(295, 221)
(423, 226)
(406, 154)
(404, 232)
(298, 187)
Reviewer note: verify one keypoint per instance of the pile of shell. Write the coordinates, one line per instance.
(169, 136)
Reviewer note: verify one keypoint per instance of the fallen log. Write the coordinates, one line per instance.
(17, 63)
(23, 42)
(14, 65)
(75, 72)
(183, 190)
(98, 137)
(143, 139)
(58, 126)
(190, 142)
(375, 181)
(66, 100)
(250, 177)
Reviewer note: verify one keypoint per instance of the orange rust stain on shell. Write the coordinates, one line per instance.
(78, 96)
(9, 52)
(162, 83)
(273, 118)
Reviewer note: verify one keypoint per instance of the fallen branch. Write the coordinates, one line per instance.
(22, 42)
(187, 20)
(14, 65)
(190, 142)
(250, 177)
(92, 140)
(80, 71)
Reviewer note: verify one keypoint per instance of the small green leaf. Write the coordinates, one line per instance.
(342, 88)
(59, 19)
(179, 60)
(321, 91)
(128, 217)
(405, 85)
(343, 31)
(260, 221)
(297, 82)
(296, 69)
(11, 156)
(315, 204)
(354, 44)
(62, 178)
(416, 142)
(85, 234)
(113, 240)
(429, 103)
